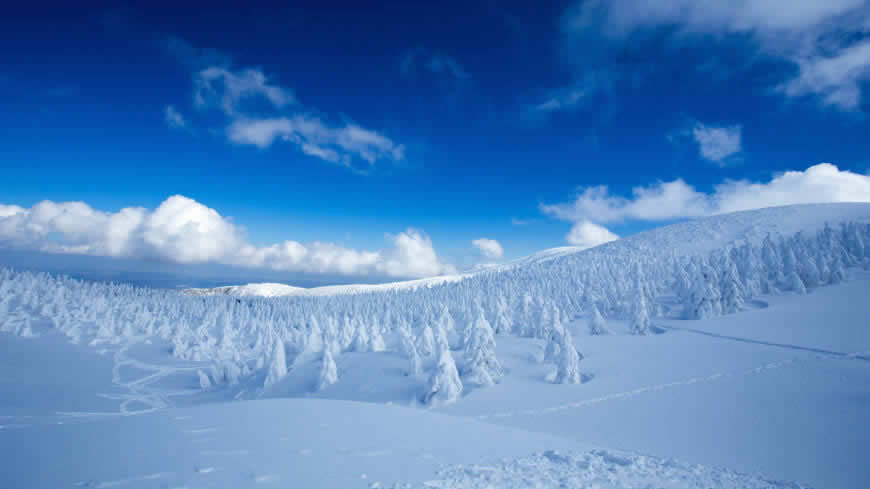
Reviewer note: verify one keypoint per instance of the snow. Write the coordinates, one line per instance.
(690, 237)
(490, 379)
(261, 290)
(282, 290)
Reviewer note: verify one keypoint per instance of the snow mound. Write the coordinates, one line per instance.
(598, 468)
(258, 290)
(282, 290)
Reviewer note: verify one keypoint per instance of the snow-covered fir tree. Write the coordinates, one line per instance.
(554, 340)
(328, 370)
(277, 364)
(426, 342)
(568, 364)
(482, 367)
(639, 314)
(444, 385)
(597, 325)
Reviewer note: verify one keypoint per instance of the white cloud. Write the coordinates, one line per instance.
(174, 119)
(661, 201)
(716, 144)
(184, 231)
(824, 39)
(226, 89)
(837, 78)
(573, 96)
(561, 100)
(818, 184)
(490, 248)
(754, 16)
(412, 254)
(260, 112)
(315, 138)
(9, 210)
(588, 234)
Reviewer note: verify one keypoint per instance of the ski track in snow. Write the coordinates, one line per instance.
(660, 387)
(856, 355)
(140, 390)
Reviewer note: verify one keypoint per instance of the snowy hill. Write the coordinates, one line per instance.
(690, 237)
(282, 290)
(259, 290)
(735, 341)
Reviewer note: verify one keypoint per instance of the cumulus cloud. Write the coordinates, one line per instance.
(587, 234)
(173, 118)
(822, 183)
(9, 210)
(260, 112)
(824, 40)
(489, 248)
(716, 144)
(182, 230)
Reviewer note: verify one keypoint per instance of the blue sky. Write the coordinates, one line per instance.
(348, 124)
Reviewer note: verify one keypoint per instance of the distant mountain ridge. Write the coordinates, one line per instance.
(690, 237)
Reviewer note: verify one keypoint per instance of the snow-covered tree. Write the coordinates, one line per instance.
(705, 299)
(328, 370)
(361, 341)
(415, 363)
(501, 323)
(597, 325)
(377, 342)
(426, 342)
(554, 340)
(447, 323)
(204, 381)
(482, 367)
(731, 287)
(277, 364)
(444, 385)
(568, 365)
(639, 314)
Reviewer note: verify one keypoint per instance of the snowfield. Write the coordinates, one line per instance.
(731, 351)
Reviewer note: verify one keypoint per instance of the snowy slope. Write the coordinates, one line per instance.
(690, 237)
(325, 444)
(260, 289)
(282, 290)
(492, 380)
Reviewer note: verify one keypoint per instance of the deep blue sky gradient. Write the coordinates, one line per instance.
(84, 92)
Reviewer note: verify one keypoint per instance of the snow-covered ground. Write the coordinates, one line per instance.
(282, 290)
(113, 386)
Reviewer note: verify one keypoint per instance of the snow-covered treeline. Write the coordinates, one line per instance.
(448, 330)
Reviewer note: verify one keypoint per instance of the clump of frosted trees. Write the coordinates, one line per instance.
(446, 331)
